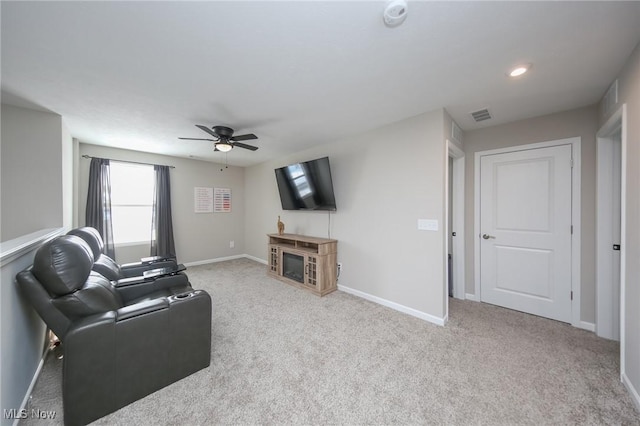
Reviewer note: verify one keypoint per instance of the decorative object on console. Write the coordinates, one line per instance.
(280, 226)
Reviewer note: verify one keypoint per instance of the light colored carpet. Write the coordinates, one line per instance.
(281, 355)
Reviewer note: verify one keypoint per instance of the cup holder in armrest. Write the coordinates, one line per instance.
(183, 296)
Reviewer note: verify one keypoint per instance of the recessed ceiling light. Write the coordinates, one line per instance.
(519, 70)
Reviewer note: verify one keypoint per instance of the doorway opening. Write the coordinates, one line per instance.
(610, 227)
(454, 241)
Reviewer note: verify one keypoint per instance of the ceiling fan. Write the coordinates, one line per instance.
(224, 139)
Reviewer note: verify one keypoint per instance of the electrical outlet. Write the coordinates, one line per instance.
(232, 244)
(339, 267)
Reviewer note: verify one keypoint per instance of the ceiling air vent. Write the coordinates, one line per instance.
(481, 115)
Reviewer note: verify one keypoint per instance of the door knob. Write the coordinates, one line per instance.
(487, 236)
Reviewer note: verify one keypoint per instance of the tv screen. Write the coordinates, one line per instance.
(306, 186)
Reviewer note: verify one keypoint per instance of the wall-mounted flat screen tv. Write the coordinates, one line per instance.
(306, 186)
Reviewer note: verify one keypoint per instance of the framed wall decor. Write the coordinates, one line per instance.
(222, 200)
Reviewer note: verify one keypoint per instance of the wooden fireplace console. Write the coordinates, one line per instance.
(310, 262)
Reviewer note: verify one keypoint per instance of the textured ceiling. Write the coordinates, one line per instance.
(138, 75)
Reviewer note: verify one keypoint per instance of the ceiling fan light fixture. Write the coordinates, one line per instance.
(223, 138)
(224, 146)
(519, 70)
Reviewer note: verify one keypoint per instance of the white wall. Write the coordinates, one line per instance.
(36, 185)
(629, 93)
(33, 146)
(67, 177)
(384, 181)
(198, 237)
(579, 122)
(21, 329)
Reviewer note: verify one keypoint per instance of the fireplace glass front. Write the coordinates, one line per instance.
(293, 267)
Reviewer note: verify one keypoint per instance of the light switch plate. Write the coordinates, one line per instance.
(427, 224)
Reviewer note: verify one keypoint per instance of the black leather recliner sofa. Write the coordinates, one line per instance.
(119, 345)
(108, 267)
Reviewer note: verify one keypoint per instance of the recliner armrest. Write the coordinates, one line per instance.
(133, 289)
(159, 272)
(141, 279)
(124, 282)
(153, 259)
(141, 308)
(138, 268)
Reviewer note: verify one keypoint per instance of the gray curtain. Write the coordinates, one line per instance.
(98, 212)
(162, 243)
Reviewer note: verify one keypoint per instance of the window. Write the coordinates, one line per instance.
(132, 187)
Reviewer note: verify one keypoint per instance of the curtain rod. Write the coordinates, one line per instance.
(132, 162)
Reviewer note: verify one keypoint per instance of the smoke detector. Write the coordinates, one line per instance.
(395, 13)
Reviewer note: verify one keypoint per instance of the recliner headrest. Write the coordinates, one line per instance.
(63, 264)
(92, 237)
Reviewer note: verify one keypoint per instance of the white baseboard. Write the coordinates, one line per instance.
(216, 260)
(393, 305)
(632, 390)
(25, 400)
(589, 326)
(472, 297)
(256, 259)
(224, 259)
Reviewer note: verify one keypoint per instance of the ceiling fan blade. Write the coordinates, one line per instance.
(197, 139)
(245, 146)
(246, 137)
(208, 130)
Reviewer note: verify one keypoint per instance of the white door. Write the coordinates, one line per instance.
(608, 236)
(610, 327)
(525, 218)
(615, 247)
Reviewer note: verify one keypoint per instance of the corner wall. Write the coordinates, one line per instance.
(34, 145)
(384, 181)
(36, 184)
(198, 236)
(629, 93)
(580, 122)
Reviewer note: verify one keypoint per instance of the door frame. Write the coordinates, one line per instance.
(618, 120)
(457, 224)
(575, 143)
